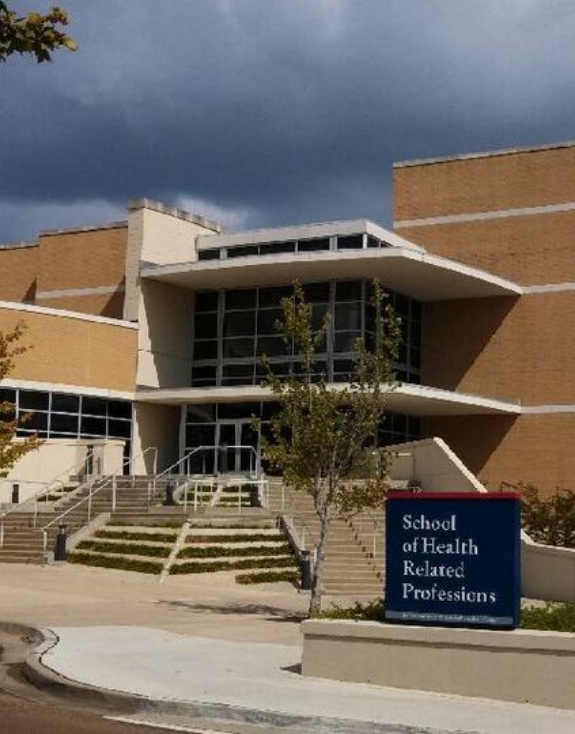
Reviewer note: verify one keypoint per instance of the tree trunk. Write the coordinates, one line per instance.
(316, 587)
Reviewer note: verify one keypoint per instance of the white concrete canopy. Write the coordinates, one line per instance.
(413, 272)
(417, 400)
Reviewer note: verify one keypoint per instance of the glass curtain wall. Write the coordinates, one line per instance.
(234, 328)
(64, 415)
(231, 424)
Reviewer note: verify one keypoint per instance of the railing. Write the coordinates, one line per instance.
(48, 487)
(108, 482)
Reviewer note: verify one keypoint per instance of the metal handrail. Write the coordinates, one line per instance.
(58, 480)
(185, 460)
(105, 483)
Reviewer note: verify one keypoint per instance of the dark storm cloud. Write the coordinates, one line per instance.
(272, 111)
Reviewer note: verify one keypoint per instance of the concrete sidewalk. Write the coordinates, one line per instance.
(260, 683)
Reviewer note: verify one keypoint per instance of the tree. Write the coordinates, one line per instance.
(11, 451)
(34, 33)
(324, 435)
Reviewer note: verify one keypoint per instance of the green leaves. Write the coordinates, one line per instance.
(34, 34)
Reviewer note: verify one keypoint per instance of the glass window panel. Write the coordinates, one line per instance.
(402, 354)
(34, 400)
(93, 426)
(414, 426)
(33, 421)
(204, 372)
(242, 250)
(62, 403)
(401, 304)
(200, 435)
(243, 371)
(230, 411)
(416, 310)
(372, 241)
(7, 395)
(344, 365)
(119, 409)
(239, 323)
(318, 314)
(273, 346)
(267, 320)
(415, 358)
(206, 349)
(348, 316)
(345, 341)
(207, 301)
(352, 242)
(416, 333)
(274, 296)
(273, 248)
(313, 245)
(348, 290)
(201, 413)
(119, 428)
(414, 378)
(93, 406)
(63, 424)
(206, 326)
(316, 292)
(240, 300)
(212, 254)
(238, 348)
(269, 410)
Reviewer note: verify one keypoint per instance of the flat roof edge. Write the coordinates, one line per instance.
(174, 211)
(483, 154)
(88, 228)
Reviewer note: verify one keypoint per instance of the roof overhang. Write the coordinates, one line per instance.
(413, 272)
(417, 400)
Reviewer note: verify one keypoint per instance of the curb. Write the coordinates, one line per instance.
(190, 712)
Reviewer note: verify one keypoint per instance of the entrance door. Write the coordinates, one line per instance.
(234, 439)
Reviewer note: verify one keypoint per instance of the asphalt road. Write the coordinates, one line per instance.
(21, 716)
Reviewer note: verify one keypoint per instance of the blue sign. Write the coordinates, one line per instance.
(453, 559)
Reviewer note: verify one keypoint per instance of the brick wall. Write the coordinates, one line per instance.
(18, 271)
(81, 259)
(73, 351)
(489, 183)
(531, 448)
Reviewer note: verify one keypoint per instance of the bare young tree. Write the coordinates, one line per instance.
(324, 434)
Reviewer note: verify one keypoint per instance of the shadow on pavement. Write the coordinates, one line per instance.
(270, 613)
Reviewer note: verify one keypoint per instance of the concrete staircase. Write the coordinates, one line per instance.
(350, 569)
(23, 542)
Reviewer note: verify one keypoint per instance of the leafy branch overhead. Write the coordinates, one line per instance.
(34, 33)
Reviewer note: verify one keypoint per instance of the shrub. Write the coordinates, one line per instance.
(555, 617)
(122, 564)
(129, 535)
(242, 564)
(266, 577)
(126, 549)
(222, 551)
(549, 520)
(235, 538)
(373, 611)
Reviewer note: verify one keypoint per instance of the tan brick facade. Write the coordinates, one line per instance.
(489, 183)
(530, 448)
(18, 273)
(72, 351)
(514, 349)
(530, 250)
(91, 259)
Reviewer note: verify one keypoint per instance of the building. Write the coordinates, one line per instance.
(151, 330)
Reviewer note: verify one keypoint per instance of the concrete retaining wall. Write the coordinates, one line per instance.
(523, 666)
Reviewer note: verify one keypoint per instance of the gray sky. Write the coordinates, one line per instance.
(268, 112)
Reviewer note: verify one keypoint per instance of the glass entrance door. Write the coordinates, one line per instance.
(234, 439)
